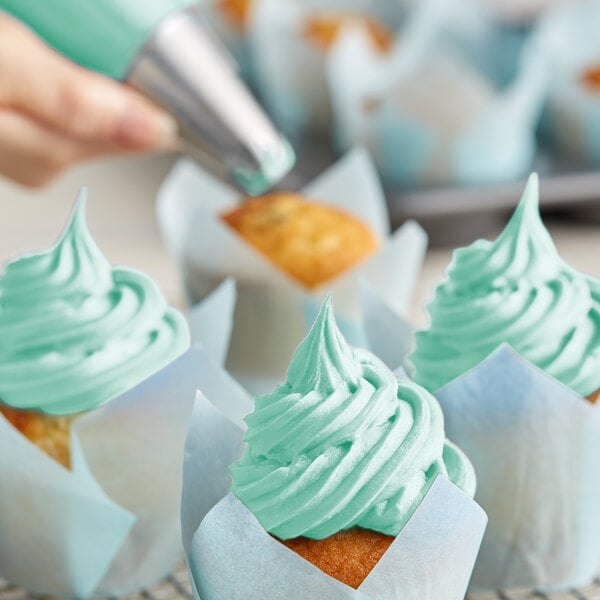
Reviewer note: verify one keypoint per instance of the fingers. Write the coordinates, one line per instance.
(39, 82)
(33, 155)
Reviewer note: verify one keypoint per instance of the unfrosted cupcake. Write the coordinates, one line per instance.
(339, 456)
(76, 332)
(291, 44)
(310, 241)
(515, 290)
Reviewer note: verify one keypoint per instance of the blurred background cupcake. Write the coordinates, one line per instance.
(492, 82)
(286, 251)
(292, 81)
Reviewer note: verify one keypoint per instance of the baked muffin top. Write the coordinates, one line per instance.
(311, 242)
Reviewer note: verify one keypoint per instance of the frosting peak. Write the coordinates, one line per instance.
(323, 361)
(76, 332)
(76, 264)
(342, 443)
(516, 290)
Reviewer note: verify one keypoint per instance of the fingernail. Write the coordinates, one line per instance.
(141, 128)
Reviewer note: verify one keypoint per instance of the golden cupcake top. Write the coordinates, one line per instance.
(237, 12)
(591, 77)
(324, 28)
(311, 242)
(49, 433)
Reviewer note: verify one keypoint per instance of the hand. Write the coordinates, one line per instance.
(54, 113)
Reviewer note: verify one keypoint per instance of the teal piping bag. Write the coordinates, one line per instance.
(163, 49)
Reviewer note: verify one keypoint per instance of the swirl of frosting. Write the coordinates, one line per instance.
(516, 290)
(75, 332)
(342, 443)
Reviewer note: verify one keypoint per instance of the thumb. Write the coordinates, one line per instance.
(37, 81)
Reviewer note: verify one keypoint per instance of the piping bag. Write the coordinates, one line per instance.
(163, 49)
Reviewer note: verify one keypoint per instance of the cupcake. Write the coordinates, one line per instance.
(339, 456)
(286, 252)
(77, 332)
(458, 103)
(516, 290)
(512, 351)
(292, 81)
(96, 375)
(343, 488)
(311, 242)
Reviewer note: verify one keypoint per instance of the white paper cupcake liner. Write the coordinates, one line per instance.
(535, 446)
(485, 134)
(231, 556)
(110, 524)
(271, 308)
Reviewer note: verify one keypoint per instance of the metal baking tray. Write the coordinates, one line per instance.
(454, 215)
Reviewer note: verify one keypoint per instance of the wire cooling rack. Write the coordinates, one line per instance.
(174, 587)
(177, 587)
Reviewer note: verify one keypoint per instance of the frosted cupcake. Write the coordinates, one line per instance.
(76, 332)
(340, 456)
(512, 350)
(346, 486)
(515, 290)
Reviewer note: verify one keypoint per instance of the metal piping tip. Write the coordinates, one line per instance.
(185, 69)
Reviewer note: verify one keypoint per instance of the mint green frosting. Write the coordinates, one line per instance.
(516, 290)
(75, 332)
(342, 443)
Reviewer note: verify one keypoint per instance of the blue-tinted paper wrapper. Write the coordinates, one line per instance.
(110, 524)
(535, 446)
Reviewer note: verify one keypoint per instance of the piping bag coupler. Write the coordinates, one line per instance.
(163, 49)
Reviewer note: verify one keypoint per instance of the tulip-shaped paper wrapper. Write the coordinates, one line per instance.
(229, 552)
(533, 440)
(292, 81)
(271, 316)
(477, 134)
(110, 524)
